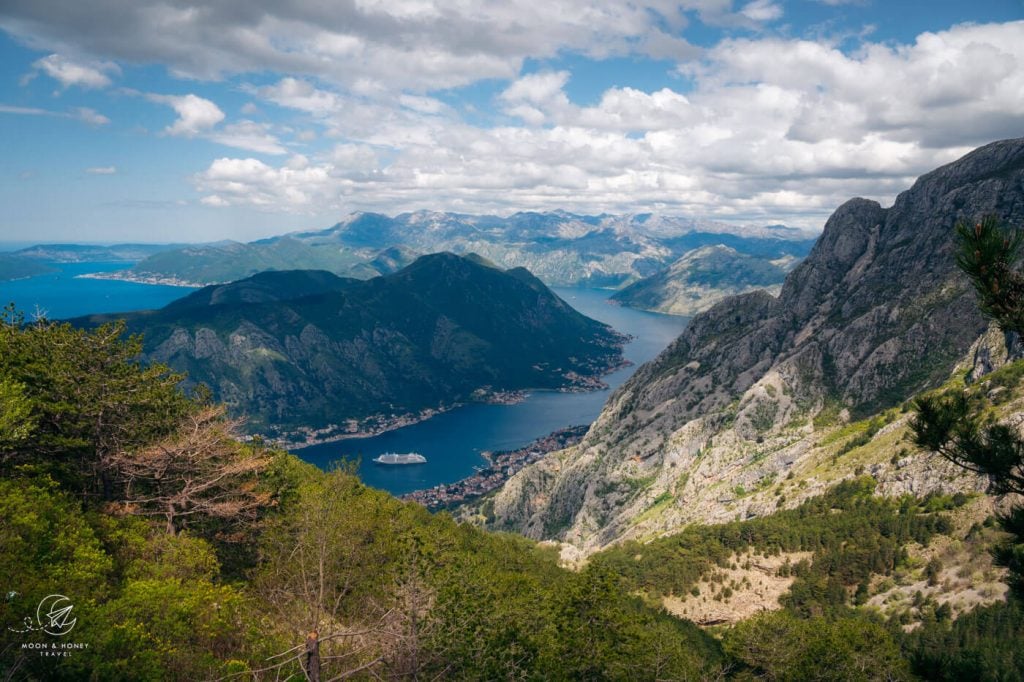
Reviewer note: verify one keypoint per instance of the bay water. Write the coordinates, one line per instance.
(61, 294)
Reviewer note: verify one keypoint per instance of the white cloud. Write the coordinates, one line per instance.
(84, 114)
(250, 181)
(70, 73)
(762, 11)
(101, 170)
(424, 105)
(255, 137)
(195, 114)
(301, 95)
(417, 46)
(90, 116)
(772, 129)
(537, 96)
(538, 88)
(199, 117)
(764, 127)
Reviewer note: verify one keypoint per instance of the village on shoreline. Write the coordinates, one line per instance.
(502, 466)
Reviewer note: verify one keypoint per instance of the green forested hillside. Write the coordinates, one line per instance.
(309, 350)
(13, 266)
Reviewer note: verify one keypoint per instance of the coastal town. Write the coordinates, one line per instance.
(502, 466)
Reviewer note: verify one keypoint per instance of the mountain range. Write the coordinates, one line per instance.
(765, 399)
(307, 355)
(560, 248)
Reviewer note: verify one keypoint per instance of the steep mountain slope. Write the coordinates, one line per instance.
(561, 248)
(877, 312)
(702, 278)
(304, 351)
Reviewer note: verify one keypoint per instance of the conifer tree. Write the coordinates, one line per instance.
(955, 424)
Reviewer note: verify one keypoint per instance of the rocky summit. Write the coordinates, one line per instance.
(877, 312)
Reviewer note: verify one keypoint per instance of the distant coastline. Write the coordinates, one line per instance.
(129, 276)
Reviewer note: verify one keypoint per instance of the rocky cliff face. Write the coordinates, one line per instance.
(876, 313)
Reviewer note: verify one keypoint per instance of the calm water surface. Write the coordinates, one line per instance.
(452, 442)
(62, 295)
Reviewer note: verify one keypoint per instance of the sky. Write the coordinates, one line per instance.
(174, 120)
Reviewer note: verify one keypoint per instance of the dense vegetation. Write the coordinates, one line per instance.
(264, 554)
(307, 349)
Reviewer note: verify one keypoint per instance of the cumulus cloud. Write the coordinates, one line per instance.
(195, 114)
(417, 45)
(762, 11)
(245, 134)
(765, 127)
(772, 129)
(250, 181)
(294, 93)
(199, 117)
(90, 116)
(71, 73)
(537, 96)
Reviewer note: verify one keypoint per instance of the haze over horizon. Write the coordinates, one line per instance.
(185, 122)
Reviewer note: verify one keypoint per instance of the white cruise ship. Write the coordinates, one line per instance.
(403, 458)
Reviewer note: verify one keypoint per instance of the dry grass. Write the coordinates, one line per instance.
(754, 583)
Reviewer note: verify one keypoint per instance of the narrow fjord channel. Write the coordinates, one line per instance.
(453, 442)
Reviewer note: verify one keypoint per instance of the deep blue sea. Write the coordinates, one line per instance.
(60, 294)
(452, 442)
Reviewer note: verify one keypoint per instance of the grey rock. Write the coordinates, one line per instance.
(876, 313)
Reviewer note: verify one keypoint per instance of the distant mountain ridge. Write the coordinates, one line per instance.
(92, 253)
(876, 313)
(560, 248)
(702, 278)
(308, 354)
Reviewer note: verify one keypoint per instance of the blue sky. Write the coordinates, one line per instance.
(151, 120)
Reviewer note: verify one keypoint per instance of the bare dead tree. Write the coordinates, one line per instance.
(324, 570)
(202, 470)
